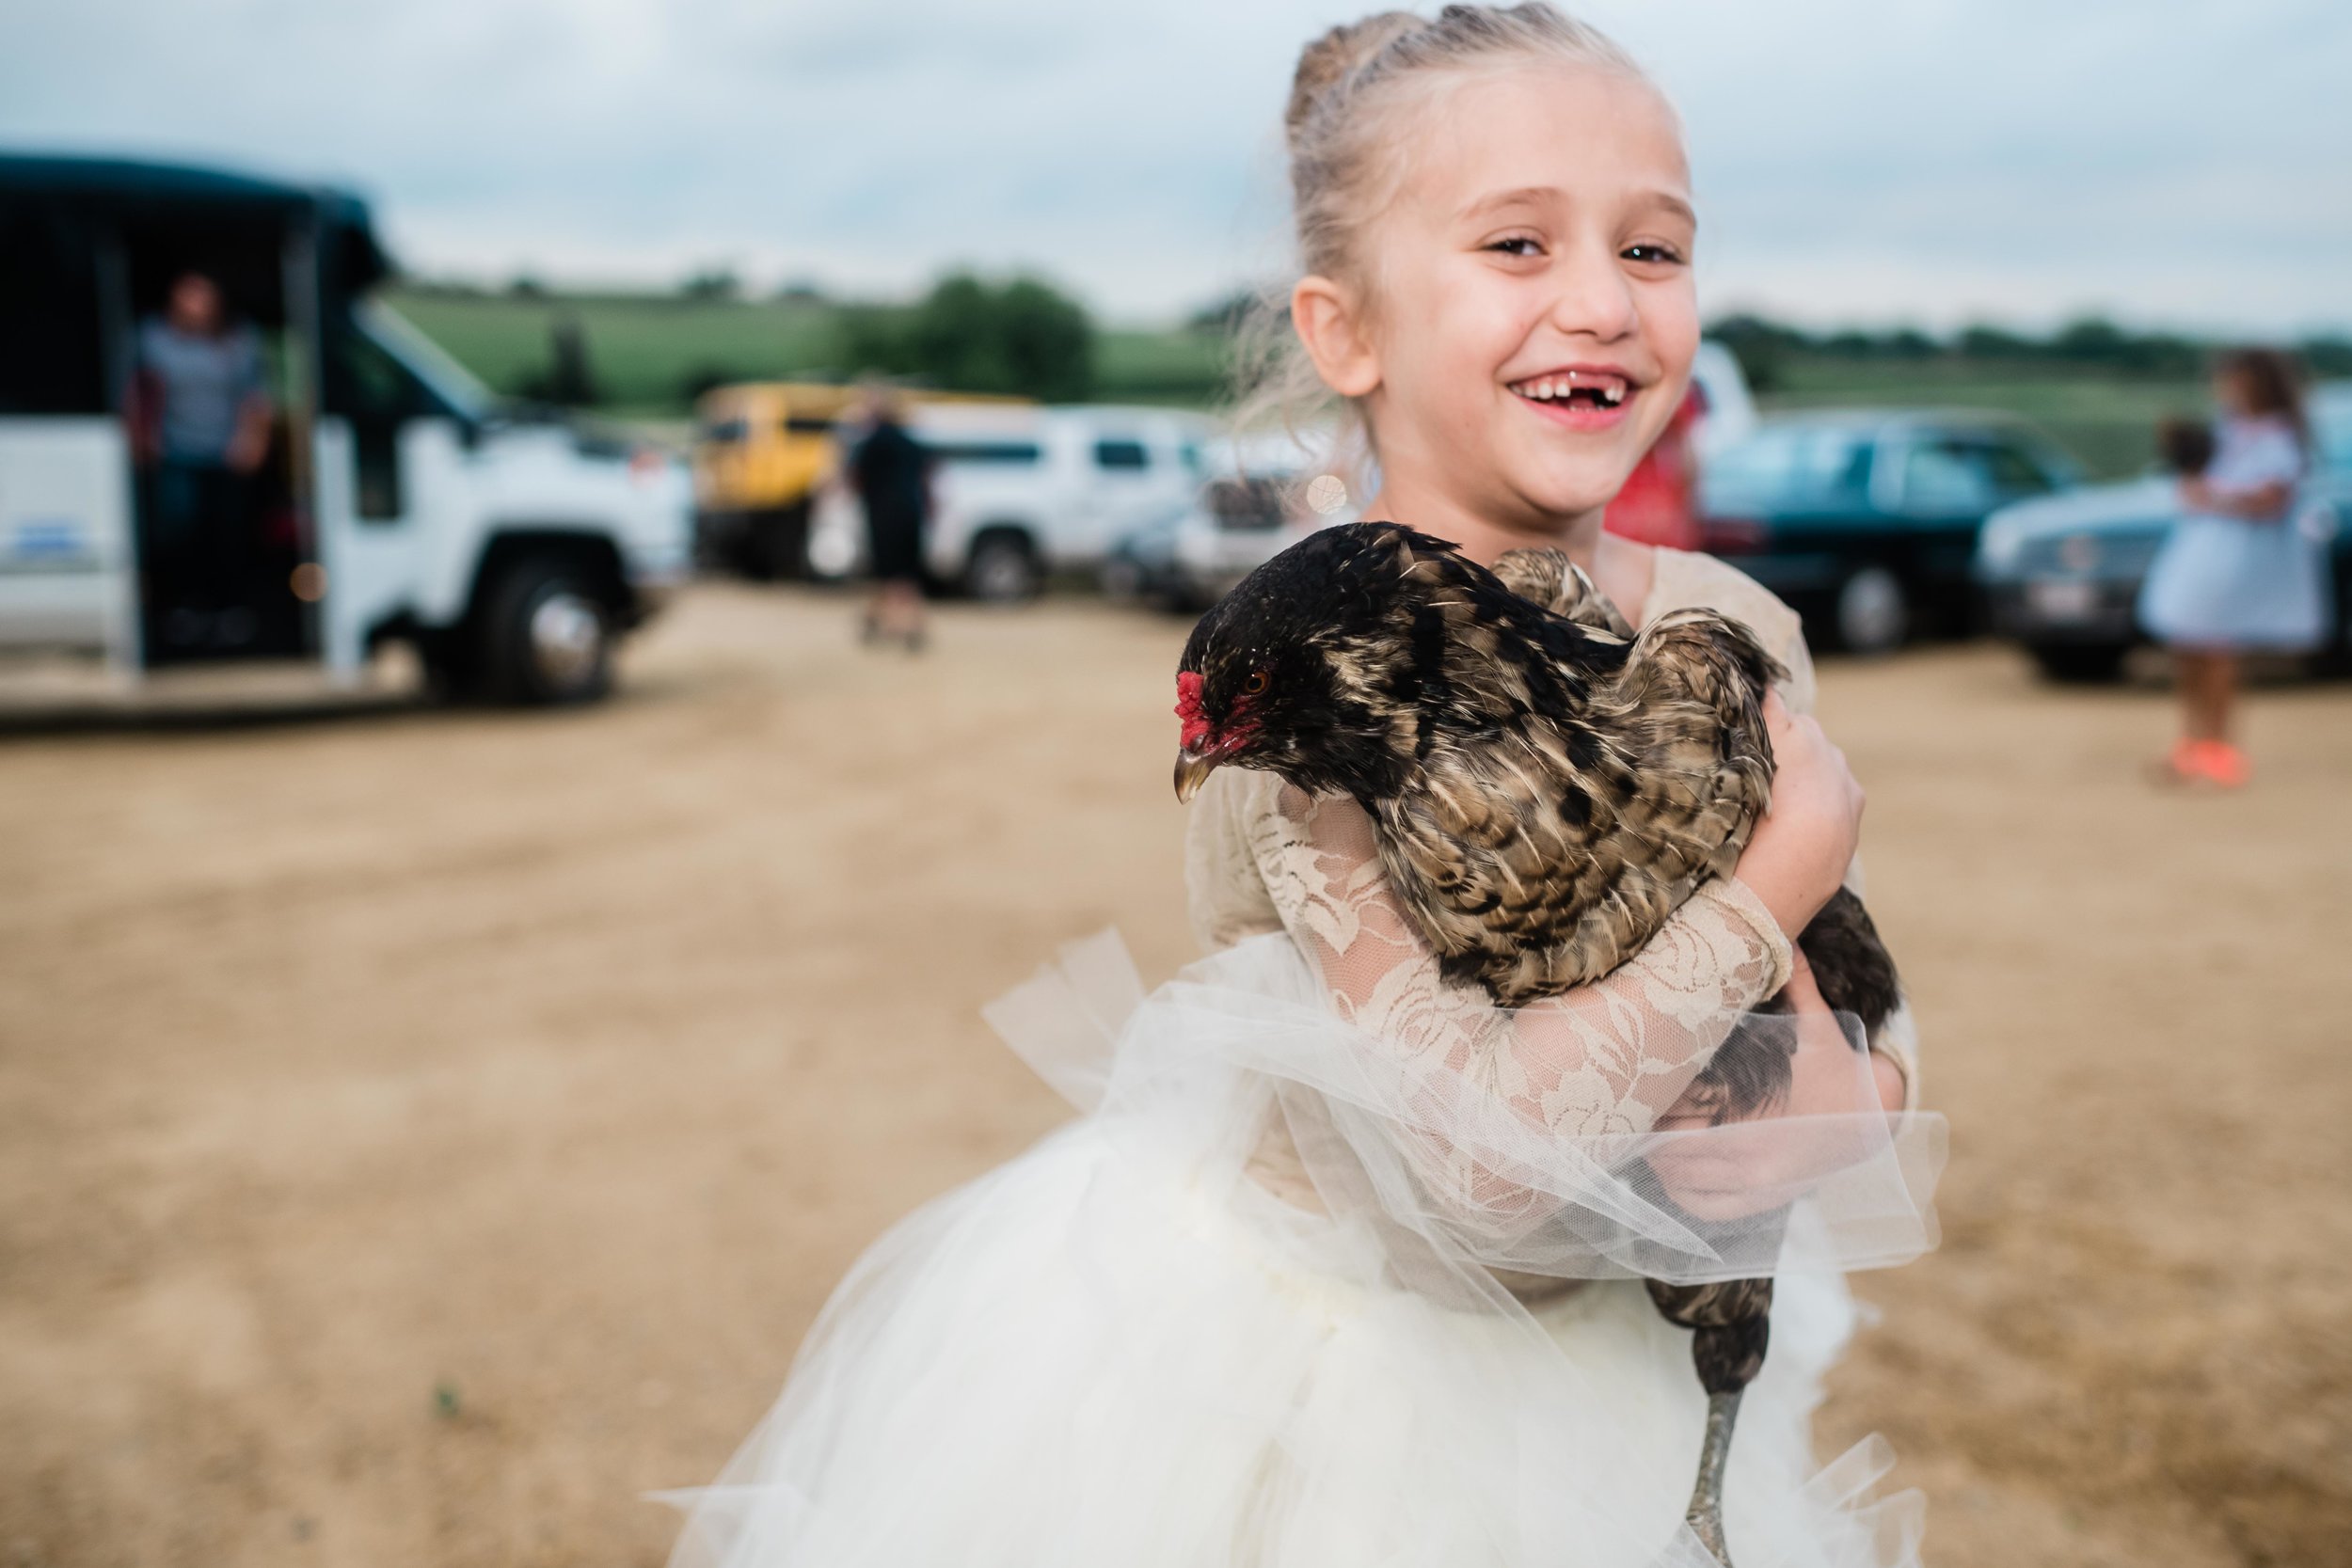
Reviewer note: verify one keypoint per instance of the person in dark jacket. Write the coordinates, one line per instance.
(892, 475)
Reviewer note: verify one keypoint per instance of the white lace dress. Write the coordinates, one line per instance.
(1332, 1271)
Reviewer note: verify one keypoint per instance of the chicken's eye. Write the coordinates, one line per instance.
(1255, 686)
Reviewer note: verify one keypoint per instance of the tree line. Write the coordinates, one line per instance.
(1766, 348)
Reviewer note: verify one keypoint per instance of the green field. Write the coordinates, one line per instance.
(645, 350)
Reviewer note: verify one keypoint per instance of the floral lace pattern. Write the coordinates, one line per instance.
(1607, 1058)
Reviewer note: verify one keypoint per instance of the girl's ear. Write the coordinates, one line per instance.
(1325, 316)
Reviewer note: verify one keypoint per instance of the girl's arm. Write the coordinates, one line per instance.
(2255, 503)
(1611, 1058)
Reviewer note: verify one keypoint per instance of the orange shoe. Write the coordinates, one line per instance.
(2182, 765)
(2220, 763)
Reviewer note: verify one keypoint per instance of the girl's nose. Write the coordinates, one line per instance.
(1593, 298)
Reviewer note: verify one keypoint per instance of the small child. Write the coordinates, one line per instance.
(2185, 446)
(2235, 575)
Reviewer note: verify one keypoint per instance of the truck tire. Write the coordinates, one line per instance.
(775, 544)
(2079, 663)
(1002, 568)
(545, 636)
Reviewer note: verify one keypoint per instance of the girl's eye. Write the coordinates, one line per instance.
(1656, 255)
(1517, 244)
(1255, 686)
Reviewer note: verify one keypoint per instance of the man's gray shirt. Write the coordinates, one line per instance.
(204, 382)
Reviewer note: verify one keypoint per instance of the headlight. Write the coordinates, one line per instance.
(1998, 545)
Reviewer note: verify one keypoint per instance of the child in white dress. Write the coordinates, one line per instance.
(2238, 574)
(1336, 1266)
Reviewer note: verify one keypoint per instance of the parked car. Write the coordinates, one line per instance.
(1658, 502)
(1866, 520)
(397, 499)
(2061, 575)
(1263, 493)
(1019, 492)
(762, 452)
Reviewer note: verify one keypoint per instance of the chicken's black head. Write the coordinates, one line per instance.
(1310, 668)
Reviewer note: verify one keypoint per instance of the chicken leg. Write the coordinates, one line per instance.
(1731, 1325)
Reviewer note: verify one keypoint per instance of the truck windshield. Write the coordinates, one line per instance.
(1788, 465)
(442, 375)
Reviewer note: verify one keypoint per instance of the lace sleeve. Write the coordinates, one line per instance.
(1607, 1058)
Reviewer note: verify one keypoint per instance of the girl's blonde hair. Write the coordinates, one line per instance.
(1347, 161)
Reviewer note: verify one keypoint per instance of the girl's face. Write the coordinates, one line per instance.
(1530, 317)
(2230, 391)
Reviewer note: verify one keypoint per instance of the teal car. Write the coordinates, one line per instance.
(1866, 520)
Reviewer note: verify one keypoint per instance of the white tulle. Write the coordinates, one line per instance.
(1117, 1349)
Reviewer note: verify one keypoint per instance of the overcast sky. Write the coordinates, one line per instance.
(1934, 161)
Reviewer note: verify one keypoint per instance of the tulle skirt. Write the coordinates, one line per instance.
(2223, 583)
(1118, 1351)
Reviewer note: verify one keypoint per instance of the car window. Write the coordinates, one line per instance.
(2331, 431)
(1949, 476)
(997, 453)
(1795, 466)
(2015, 471)
(721, 430)
(1247, 504)
(1122, 454)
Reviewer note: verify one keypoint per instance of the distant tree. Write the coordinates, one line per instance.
(2328, 355)
(702, 378)
(799, 290)
(1020, 337)
(1763, 347)
(1981, 342)
(2091, 340)
(1223, 316)
(1909, 342)
(567, 382)
(711, 283)
(525, 286)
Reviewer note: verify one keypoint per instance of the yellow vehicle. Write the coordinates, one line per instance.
(762, 450)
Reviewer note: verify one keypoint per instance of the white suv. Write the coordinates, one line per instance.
(1018, 493)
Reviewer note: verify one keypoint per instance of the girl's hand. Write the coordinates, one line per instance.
(1800, 849)
(1726, 1177)
(2196, 494)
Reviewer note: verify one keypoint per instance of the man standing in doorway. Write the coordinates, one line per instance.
(201, 425)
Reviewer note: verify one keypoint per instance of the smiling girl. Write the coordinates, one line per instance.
(1336, 1268)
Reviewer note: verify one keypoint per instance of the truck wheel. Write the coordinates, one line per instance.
(1873, 611)
(2079, 663)
(776, 543)
(546, 635)
(1002, 569)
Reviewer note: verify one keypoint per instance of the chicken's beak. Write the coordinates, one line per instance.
(1192, 771)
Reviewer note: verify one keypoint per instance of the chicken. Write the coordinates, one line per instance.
(1546, 787)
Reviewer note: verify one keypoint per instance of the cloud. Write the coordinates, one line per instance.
(1933, 160)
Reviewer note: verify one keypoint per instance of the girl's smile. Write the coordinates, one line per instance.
(1580, 397)
(1520, 327)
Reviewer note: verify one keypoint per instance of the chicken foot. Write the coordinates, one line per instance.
(1731, 1327)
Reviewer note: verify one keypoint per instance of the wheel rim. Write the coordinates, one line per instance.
(1001, 573)
(1872, 615)
(567, 639)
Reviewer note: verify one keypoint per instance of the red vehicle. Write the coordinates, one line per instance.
(1659, 504)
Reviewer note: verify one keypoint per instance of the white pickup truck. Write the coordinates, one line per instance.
(1019, 492)
(397, 500)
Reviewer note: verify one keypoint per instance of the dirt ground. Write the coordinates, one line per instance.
(422, 1133)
